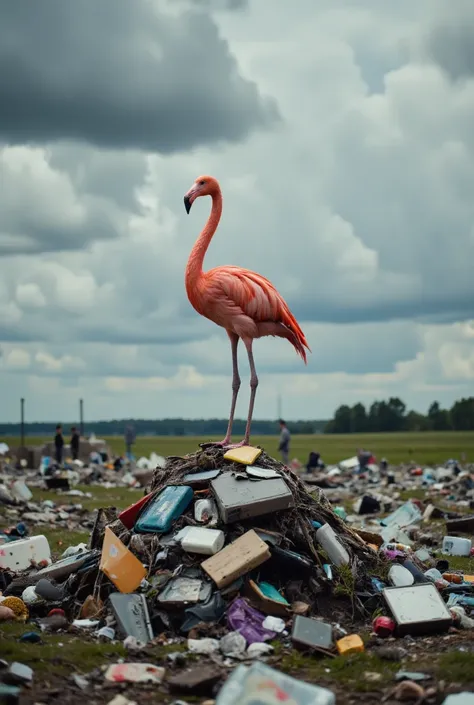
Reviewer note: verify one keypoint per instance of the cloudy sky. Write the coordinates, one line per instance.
(342, 134)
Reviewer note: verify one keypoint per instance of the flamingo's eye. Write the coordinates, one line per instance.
(201, 183)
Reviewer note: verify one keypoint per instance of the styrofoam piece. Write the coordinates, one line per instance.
(456, 546)
(350, 463)
(205, 541)
(21, 491)
(22, 554)
(331, 544)
(400, 576)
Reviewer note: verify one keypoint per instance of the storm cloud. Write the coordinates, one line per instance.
(121, 74)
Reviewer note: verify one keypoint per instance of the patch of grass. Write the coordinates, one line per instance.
(345, 584)
(463, 563)
(406, 495)
(60, 539)
(424, 448)
(345, 670)
(66, 651)
(120, 497)
(456, 667)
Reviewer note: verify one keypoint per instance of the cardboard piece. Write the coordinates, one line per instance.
(266, 604)
(120, 565)
(245, 455)
(236, 559)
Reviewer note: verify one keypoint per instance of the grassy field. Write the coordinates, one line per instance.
(424, 448)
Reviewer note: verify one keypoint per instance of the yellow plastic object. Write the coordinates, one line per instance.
(468, 578)
(246, 455)
(120, 565)
(351, 644)
(18, 607)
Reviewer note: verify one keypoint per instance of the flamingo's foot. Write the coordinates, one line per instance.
(226, 443)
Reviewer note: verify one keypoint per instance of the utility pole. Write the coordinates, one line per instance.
(279, 406)
(81, 417)
(22, 422)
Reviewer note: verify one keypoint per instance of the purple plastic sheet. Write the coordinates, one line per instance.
(393, 555)
(247, 621)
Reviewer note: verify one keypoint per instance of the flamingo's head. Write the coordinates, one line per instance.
(203, 186)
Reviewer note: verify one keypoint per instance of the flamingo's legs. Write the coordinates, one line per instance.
(253, 388)
(234, 341)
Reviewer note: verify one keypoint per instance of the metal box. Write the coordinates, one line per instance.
(418, 609)
(239, 499)
(311, 633)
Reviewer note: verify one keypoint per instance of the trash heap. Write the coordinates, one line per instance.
(230, 551)
(258, 520)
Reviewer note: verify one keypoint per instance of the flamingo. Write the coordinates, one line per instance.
(243, 302)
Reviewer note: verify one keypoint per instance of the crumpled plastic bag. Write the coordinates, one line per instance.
(248, 621)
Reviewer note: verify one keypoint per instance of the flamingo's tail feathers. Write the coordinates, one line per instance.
(297, 337)
(298, 344)
(293, 334)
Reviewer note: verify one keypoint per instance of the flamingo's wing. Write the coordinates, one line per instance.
(245, 292)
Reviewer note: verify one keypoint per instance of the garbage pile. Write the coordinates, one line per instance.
(228, 552)
(99, 466)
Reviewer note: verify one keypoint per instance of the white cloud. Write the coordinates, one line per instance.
(17, 358)
(358, 206)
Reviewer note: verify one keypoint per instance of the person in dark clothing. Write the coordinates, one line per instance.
(59, 444)
(74, 443)
(284, 446)
(314, 462)
(129, 440)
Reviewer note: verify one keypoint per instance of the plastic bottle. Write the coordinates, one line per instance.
(331, 544)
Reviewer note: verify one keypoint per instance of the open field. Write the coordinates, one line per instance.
(424, 448)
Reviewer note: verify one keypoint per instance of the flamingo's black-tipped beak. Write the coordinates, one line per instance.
(187, 204)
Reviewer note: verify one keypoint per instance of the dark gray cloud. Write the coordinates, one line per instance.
(451, 42)
(40, 210)
(220, 4)
(120, 73)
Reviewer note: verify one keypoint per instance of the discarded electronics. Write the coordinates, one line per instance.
(418, 609)
(239, 499)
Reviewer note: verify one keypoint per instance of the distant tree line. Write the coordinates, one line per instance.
(165, 427)
(392, 415)
(381, 416)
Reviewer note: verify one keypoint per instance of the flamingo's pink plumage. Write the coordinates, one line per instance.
(243, 302)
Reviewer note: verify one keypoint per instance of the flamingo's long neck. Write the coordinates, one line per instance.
(196, 258)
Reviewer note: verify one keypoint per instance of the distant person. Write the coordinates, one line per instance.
(58, 444)
(129, 440)
(74, 443)
(314, 462)
(285, 438)
(365, 457)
